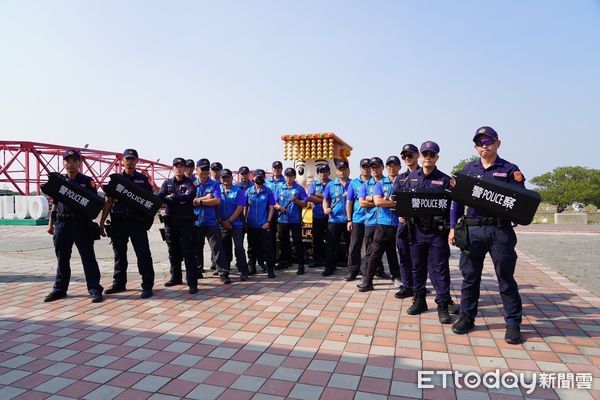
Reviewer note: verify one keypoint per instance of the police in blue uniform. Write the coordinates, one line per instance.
(386, 225)
(69, 228)
(178, 194)
(206, 226)
(231, 210)
(429, 248)
(273, 183)
(259, 213)
(356, 223)
(334, 205)
(290, 198)
(128, 224)
(319, 218)
(410, 155)
(488, 234)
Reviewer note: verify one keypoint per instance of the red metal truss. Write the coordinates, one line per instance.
(24, 166)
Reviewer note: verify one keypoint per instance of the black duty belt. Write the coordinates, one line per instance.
(177, 218)
(125, 218)
(487, 221)
(70, 217)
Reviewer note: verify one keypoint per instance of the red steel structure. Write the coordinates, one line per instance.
(25, 165)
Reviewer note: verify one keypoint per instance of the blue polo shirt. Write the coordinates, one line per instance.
(206, 216)
(318, 187)
(336, 194)
(274, 183)
(244, 188)
(230, 200)
(368, 189)
(358, 214)
(385, 216)
(283, 197)
(258, 205)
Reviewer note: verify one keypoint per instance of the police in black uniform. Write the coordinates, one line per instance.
(70, 228)
(178, 194)
(129, 224)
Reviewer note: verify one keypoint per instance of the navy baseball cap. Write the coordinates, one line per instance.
(323, 168)
(72, 153)
(393, 159)
(365, 162)
(277, 164)
(244, 170)
(189, 163)
(430, 146)
(259, 172)
(130, 153)
(203, 163)
(342, 164)
(376, 160)
(179, 160)
(289, 171)
(216, 166)
(409, 148)
(487, 131)
(226, 173)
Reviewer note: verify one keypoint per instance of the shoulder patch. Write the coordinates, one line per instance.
(518, 175)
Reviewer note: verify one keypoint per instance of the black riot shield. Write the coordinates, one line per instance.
(133, 196)
(79, 200)
(421, 202)
(497, 198)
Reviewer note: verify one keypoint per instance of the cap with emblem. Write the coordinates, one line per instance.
(409, 148)
(289, 172)
(244, 170)
(277, 164)
(323, 168)
(226, 173)
(487, 131)
(130, 153)
(342, 164)
(203, 163)
(179, 160)
(393, 159)
(365, 162)
(430, 146)
(259, 172)
(189, 163)
(216, 166)
(71, 153)
(376, 161)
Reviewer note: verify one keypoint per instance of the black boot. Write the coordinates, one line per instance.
(300, 270)
(443, 313)
(513, 335)
(419, 305)
(463, 325)
(270, 272)
(404, 293)
(252, 270)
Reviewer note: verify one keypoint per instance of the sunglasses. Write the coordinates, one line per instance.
(407, 155)
(485, 142)
(428, 154)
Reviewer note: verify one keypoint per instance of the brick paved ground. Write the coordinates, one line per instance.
(302, 337)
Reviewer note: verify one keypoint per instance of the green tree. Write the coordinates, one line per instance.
(565, 185)
(461, 164)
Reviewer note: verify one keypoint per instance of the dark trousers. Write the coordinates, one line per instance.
(431, 253)
(67, 233)
(404, 257)
(392, 258)
(354, 250)
(261, 240)
(319, 232)
(284, 240)
(122, 231)
(179, 237)
(231, 238)
(273, 233)
(500, 243)
(336, 232)
(213, 235)
(384, 238)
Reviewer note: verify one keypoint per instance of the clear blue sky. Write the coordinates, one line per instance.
(225, 79)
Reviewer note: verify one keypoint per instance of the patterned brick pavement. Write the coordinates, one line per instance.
(295, 337)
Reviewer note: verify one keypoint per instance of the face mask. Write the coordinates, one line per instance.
(259, 180)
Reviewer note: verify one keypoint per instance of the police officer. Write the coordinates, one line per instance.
(290, 198)
(356, 223)
(386, 226)
(273, 183)
(319, 218)
(189, 168)
(488, 234)
(429, 249)
(206, 226)
(334, 206)
(178, 194)
(216, 169)
(231, 210)
(68, 228)
(259, 213)
(126, 224)
(410, 156)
